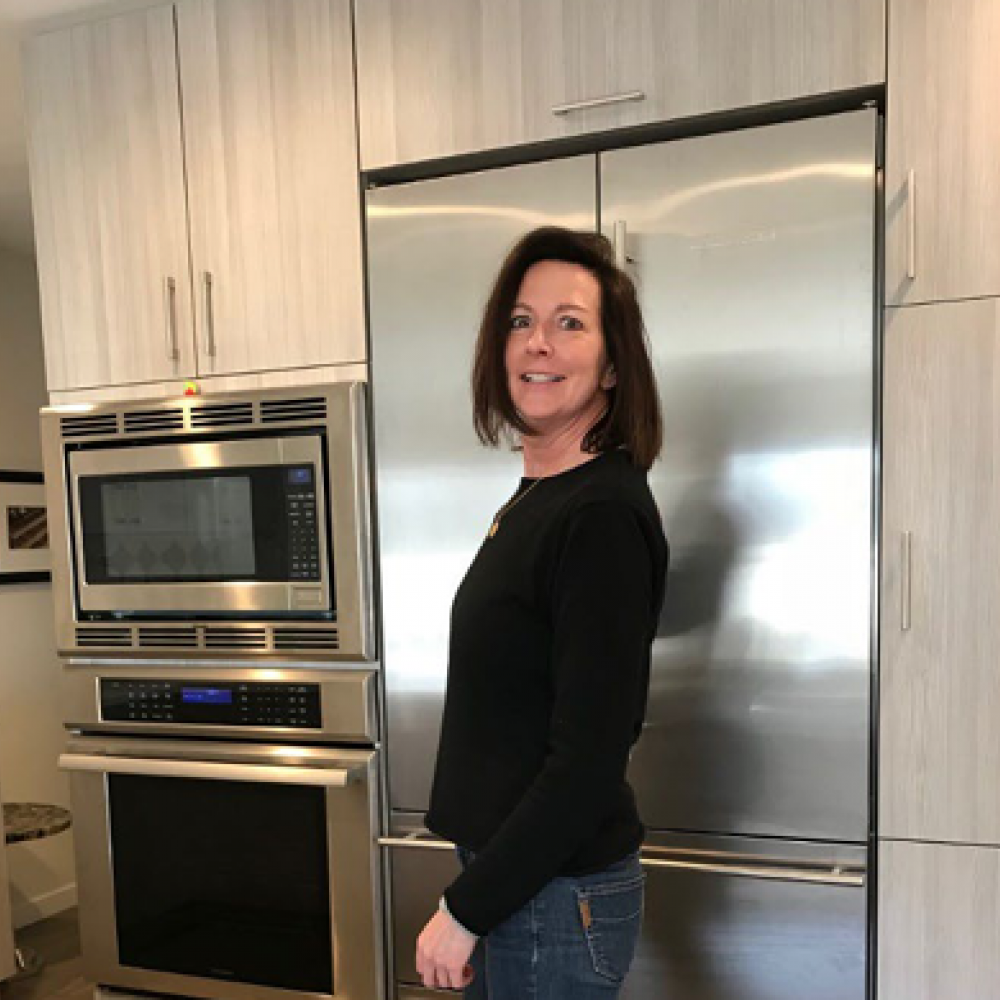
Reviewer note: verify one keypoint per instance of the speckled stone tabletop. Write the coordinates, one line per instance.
(33, 821)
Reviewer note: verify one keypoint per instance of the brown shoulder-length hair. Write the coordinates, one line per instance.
(633, 418)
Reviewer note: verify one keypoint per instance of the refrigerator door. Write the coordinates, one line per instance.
(434, 248)
(754, 255)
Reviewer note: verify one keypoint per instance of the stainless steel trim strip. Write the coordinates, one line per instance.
(215, 770)
(209, 315)
(905, 595)
(170, 310)
(598, 102)
(911, 225)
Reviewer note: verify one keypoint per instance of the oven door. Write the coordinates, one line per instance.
(222, 871)
(232, 528)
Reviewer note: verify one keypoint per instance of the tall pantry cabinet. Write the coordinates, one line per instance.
(195, 188)
(939, 800)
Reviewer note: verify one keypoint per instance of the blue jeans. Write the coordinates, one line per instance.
(573, 941)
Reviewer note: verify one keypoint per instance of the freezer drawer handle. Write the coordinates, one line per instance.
(334, 777)
(598, 102)
(410, 840)
(911, 225)
(833, 876)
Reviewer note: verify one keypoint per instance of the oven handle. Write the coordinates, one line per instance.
(333, 777)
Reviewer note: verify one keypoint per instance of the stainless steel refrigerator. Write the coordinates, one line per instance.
(754, 253)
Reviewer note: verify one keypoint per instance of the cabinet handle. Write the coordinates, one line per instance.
(170, 310)
(598, 102)
(911, 225)
(209, 315)
(619, 235)
(904, 616)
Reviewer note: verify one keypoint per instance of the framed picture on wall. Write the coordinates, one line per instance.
(24, 528)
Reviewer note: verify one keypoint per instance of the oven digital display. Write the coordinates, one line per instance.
(206, 696)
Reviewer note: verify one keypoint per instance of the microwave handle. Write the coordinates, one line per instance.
(334, 777)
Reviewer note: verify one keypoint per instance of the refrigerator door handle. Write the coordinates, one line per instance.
(832, 875)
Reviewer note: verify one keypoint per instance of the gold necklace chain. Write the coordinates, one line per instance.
(495, 526)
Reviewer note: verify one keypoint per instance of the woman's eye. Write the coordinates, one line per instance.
(570, 323)
(519, 322)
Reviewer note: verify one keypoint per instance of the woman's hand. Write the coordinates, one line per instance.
(443, 951)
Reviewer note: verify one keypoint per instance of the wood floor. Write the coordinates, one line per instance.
(57, 940)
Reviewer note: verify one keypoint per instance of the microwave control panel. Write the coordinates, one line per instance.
(140, 701)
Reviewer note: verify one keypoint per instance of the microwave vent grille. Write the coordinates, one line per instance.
(92, 426)
(222, 415)
(109, 635)
(173, 638)
(303, 638)
(231, 637)
(151, 421)
(275, 411)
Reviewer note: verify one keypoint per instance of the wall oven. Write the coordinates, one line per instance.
(226, 831)
(213, 524)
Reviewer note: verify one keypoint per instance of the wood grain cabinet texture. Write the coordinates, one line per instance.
(195, 183)
(943, 151)
(940, 621)
(275, 209)
(939, 922)
(443, 77)
(107, 185)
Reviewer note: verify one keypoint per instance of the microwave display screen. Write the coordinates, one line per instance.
(239, 524)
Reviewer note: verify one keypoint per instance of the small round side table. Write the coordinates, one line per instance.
(23, 821)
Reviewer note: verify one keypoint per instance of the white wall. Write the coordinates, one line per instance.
(41, 873)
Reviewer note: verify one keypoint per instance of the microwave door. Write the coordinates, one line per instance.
(233, 528)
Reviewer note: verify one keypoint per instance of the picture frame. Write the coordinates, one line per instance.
(24, 532)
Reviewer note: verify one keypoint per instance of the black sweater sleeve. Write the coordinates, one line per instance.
(602, 616)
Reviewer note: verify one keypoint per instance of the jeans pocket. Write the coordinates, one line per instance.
(611, 916)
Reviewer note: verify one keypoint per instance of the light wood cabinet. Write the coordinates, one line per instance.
(196, 193)
(441, 77)
(939, 922)
(940, 623)
(943, 151)
(107, 184)
(271, 145)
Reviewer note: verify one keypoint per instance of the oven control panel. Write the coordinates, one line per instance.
(243, 703)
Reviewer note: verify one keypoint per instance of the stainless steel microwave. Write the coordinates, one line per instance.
(213, 524)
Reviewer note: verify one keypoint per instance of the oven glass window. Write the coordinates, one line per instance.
(223, 879)
(239, 524)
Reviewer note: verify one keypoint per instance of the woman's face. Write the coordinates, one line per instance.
(557, 369)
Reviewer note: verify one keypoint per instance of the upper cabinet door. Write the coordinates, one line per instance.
(943, 135)
(440, 77)
(107, 181)
(940, 688)
(275, 211)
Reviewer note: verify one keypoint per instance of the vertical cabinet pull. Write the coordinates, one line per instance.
(618, 238)
(209, 315)
(907, 554)
(170, 311)
(911, 225)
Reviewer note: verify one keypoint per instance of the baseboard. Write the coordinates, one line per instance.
(48, 904)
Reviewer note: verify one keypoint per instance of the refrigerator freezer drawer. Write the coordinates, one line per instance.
(759, 921)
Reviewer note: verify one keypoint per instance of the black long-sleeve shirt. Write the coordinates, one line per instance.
(548, 676)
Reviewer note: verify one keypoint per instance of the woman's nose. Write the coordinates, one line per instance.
(538, 341)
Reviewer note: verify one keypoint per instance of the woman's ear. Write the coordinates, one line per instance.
(610, 379)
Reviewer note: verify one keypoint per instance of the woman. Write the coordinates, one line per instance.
(550, 640)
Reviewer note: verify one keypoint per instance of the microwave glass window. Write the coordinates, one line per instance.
(194, 528)
(237, 525)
